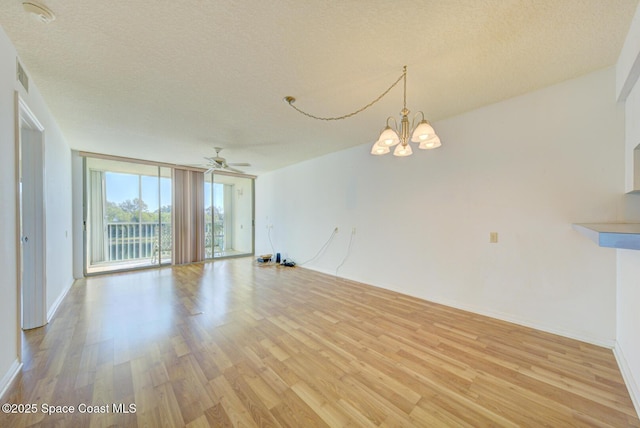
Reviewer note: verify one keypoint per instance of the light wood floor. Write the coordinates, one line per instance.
(231, 343)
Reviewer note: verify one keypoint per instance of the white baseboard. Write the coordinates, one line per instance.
(320, 270)
(52, 310)
(627, 375)
(6, 380)
(605, 343)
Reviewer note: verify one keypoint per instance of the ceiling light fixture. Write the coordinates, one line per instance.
(421, 132)
(39, 12)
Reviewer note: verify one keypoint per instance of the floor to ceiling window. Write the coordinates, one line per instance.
(128, 215)
(229, 215)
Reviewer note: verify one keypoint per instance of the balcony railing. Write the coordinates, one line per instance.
(138, 240)
(213, 242)
(151, 240)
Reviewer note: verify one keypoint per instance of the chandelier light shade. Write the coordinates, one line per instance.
(423, 132)
(403, 150)
(388, 137)
(400, 136)
(380, 150)
(430, 143)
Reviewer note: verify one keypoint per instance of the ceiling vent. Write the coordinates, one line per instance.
(41, 13)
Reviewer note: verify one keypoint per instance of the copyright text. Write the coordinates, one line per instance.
(50, 409)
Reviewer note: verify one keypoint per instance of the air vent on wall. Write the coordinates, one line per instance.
(22, 76)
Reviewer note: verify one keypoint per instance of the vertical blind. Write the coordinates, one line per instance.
(188, 203)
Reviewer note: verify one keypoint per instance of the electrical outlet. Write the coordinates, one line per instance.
(493, 237)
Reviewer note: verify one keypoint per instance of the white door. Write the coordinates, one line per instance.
(32, 220)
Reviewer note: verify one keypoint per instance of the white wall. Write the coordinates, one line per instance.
(628, 341)
(526, 168)
(8, 214)
(58, 208)
(627, 348)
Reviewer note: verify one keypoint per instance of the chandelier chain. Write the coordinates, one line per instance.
(405, 88)
(290, 100)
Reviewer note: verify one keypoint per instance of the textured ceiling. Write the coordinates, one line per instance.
(168, 80)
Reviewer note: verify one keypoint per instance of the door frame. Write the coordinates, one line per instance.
(26, 118)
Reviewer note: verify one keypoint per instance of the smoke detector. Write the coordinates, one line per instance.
(39, 12)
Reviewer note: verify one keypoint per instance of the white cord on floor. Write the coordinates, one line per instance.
(273, 252)
(348, 252)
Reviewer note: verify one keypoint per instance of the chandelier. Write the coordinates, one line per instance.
(421, 132)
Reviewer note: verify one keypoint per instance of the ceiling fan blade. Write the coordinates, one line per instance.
(239, 164)
(233, 169)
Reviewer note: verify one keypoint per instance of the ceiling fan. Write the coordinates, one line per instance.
(219, 163)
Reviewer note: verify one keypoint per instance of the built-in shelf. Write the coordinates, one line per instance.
(612, 235)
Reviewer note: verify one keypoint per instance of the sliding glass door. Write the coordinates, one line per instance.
(229, 215)
(128, 215)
